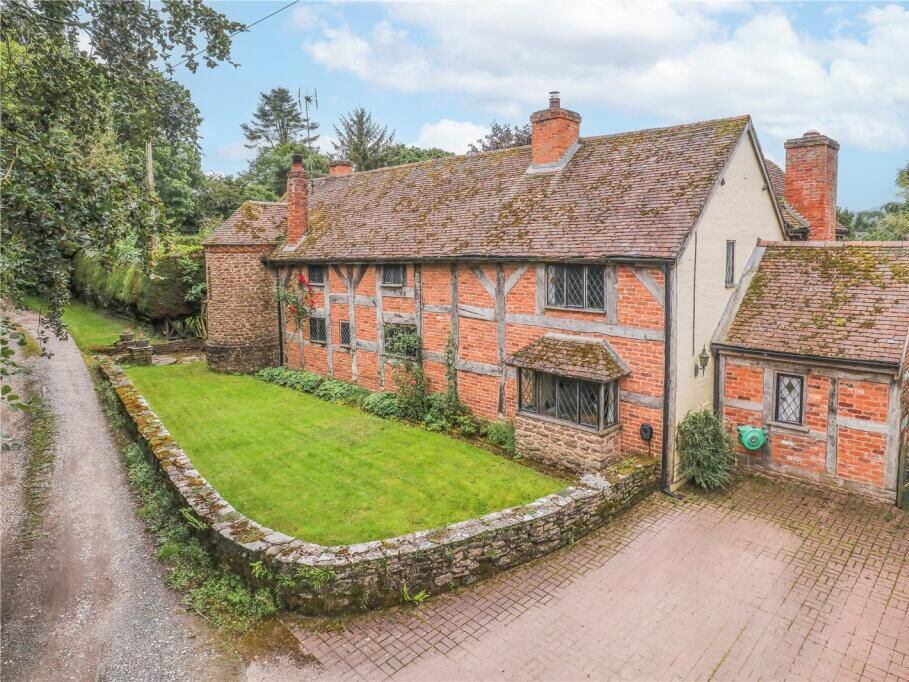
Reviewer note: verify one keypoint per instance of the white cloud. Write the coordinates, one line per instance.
(236, 151)
(452, 136)
(673, 60)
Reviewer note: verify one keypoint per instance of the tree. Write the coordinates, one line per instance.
(362, 140)
(270, 167)
(502, 137)
(402, 153)
(893, 225)
(76, 124)
(276, 120)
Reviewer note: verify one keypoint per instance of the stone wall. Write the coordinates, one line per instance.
(566, 446)
(370, 574)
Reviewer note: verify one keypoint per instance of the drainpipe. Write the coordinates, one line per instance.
(665, 478)
(281, 360)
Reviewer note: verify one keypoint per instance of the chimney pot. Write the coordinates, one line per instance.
(340, 167)
(297, 200)
(553, 132)
(811, 170)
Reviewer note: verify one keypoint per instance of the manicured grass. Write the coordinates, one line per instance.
(324, 472)
(86, 324)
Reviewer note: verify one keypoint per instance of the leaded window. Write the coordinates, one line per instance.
(344, 329)
(393, 275)
(401, 340)
(587, 403)
(317, 329)
(316, 274)
(575, 286)
(790, 389)
(527, 390)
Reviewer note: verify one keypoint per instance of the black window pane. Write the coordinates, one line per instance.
(589, 403)
(393, 275)
(789, 390)
(574, 286)
(567, 399)
(317, 274)
(317, 328)
(555, 287)
(595, 297)
(730, 263)
(345, 333)
(547, 392)
(528, 390)
(611, 404)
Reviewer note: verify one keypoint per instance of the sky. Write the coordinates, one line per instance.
(437, 73)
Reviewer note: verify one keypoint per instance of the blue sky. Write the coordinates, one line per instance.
(438, 72)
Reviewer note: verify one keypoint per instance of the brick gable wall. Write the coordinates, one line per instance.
(500, 310)
(847, 438)
(242, 315)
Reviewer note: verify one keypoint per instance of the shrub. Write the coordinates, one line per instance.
(383, 405)
(306, 382)
(705, 450)
(501, 434)
(341, 392)
(411, 391)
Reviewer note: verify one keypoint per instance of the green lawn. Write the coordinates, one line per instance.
(324, 472)
(86, 324)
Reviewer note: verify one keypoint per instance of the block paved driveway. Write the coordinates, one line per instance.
(769, 581)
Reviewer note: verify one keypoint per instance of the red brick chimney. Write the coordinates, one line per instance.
(340, 167)
(811, 162)
(553, 132)
(297, 200)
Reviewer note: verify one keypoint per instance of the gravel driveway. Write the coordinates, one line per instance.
(87, 600)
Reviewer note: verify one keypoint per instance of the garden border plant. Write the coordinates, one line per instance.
(318, 579)
(440, 411)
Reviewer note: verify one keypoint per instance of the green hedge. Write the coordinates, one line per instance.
(162, 294)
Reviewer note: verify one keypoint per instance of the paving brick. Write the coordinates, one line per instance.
(767, 581)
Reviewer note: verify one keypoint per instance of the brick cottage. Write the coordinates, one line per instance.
(579, 281)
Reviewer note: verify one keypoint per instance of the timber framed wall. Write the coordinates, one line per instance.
(850, 436)
(489, 311)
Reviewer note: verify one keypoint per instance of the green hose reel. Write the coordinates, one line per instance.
(752, 437)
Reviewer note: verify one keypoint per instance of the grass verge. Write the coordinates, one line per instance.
(87, 325)
(326, 472)
(211, 590)
(40, 442)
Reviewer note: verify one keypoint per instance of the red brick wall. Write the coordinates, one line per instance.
(242, 316)
(478, 339)
(860, 453)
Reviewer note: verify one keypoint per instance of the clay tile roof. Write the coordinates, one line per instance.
(796, 224)
(255, 222)
(629, 194)
(845, 300)
(572, 356)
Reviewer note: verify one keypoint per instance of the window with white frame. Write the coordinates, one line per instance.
(586, 403)
(576, 286)
(317, 329)
(393, 275)
(316, 274)
(344, 333)
(790, 395)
